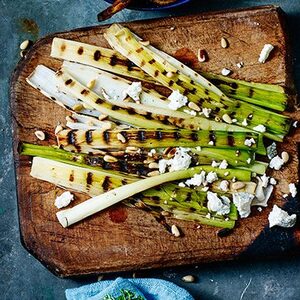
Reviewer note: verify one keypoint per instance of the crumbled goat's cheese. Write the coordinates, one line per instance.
(272, 150)
(177, 100)
(264, 180)
(249, 142)
(245, 123)
(215, 164)
(211, 177)
(64, 199)
(180, 161)
(259, 209)
(265, 52)
(279, 217)
(273, 181)
(262, 194)
(260, 128)
(190, 112)
(134, 90)
(276, 163)
(211, 143)
(226, 173)
(223, 164)
(208, 216)
(205, 189)
(205, 111)
(248, 161)
(224, 186)
(295, 124)
(225, 72)
(243, 201)
(240, 64)
(285, 195)
(293, 189)
(234, 120)
(221, 206)
(197, 179)
(181, 184)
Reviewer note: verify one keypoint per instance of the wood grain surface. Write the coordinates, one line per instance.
(121, 238)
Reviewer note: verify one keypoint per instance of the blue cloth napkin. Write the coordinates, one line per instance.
(150, 289)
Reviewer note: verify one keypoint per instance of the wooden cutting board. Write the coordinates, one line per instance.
(121, 238)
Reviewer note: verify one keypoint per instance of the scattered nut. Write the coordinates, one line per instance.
(238, 185)
(91, 84)
(77, 107)
(175, 231)
(188, 278)
(58, 128)
(121, 138)
(102, 117)
(109, 158)
(153, 173)
(285, 156)
(24, 45)
(153, 165)
(226, 118)
(224, 43)
(144, 43)
(202, 55)
(194, 106)
(40, 135)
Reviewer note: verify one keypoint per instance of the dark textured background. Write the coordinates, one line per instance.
(22, 276)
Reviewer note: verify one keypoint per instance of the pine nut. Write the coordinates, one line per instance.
(24, 45)
(131, 148)
(91, 84)
(109, 158)
(238, 185)
(226, 118)
(202, 55)
(121, 138)
(58, 129)
(153, 173)
(102, 117)
(77, 107)
(175, 231)
(285, 157)
(224, 43)
(144, 43)
(188, 278)
(153, 165)
(194, 106)
(40, 135)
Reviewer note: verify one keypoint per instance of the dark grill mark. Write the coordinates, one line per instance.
(139, 50)
(99, 101)
(152, 61)
(89, 136)
(188, 197)
(177, 135)
(106, 183)
(200, 102)
(69, 81)
(230, 139)
(159, 135)
(171, 82)
(143, 63)
(194, 136)
(131, 111)
(141, 135)
(129, 65)
(192, 81)
(71, 137)
(234, 85)
(193, 91)
(124, 181)
(148, 116)
(164, 72)
(53, 98)
(224, 232)
(123, 166)
(156, 73)
(97, 55)
(84, 92)
(179, 82)
(238, 105)
(186, 92)
(217, 109)
(232, 92)
(113, 60)
(155, 198)
(63, 47)
(124, 133)
(80, 50)
(89, 178)
(71, 177)
(106, 136)
(206, 92)
(115, 107)
(165, 120)
(251, 92)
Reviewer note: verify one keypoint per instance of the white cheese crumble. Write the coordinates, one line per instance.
(215, 164)
(223, 164)
(272, 150)
(220, 206)
(225, 72)
(279, 217)
(181, 184)
(205, 111)
(190, 112)
(180, 161)
(260, 128)
(134, 90)
(285, 195)
(205, 189)
(276, 163)
(211, 177)
(211, 143)
(265, 52)
(295, 124)
(248, 161)
(273, 181)
(259, 209)
(249, 142)
(293, 189)
(177, 100)
(64, 199)
(240, 64)
(197, 179)
(262, 194)
(245, 123)
(265, 180)
(224, 186)
(243, 201)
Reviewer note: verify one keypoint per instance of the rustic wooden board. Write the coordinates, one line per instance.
(122, 239)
